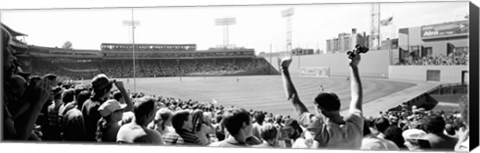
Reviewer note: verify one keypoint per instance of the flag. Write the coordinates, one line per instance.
(387, 21)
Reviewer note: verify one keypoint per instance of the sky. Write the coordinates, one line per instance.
(258, 27)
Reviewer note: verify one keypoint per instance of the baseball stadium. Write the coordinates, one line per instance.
(419, 74)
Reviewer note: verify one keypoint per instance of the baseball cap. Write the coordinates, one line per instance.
(110, 106)
(101, 81)
(414, 134)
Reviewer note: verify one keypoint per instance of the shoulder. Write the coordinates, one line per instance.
(355, 116)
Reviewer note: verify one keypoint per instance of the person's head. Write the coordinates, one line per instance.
(165, 115)
(394, 134)
(197, 120)
(269, 132)
(434, 124)
(101, 86)
(238, 123)
(68, 96)
(381, 124)
(57, 93)
(293, 129)
(449, 129)
(144, 110)
(259, 117)
(112, 110)
(414, 139)
(18, 85)
(278, 118)
(182, 120)
(83, 96)
(117, 95)
(328, 104)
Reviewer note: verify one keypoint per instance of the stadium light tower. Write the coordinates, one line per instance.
(225, 22)
(375, 26)
(288, 13)
(132, 23)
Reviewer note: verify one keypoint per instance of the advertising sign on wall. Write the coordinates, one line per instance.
(452, 29)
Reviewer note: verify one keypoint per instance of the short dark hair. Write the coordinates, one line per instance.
(234, 119)
(68, 96)
(117, 95)
(178, 118)
(328, 101)
(143, 107)
(259, 117)
(83, 96)
(294, 124)
(434, 124)
(381, 124)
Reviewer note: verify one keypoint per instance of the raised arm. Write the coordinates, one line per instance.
(355, 85)
(290, 90)
(125, 95)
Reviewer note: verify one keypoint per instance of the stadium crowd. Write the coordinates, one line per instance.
(42, 108)
(458, 58)
(154, 68)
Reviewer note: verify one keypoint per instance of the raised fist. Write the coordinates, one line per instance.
(285, 63)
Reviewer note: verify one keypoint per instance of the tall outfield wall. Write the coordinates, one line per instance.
(373, 64)
(443, 74)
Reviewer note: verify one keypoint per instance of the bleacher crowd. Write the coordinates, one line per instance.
(154, 68)
(458, 58)
(42, 108)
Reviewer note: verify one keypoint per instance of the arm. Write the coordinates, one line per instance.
(25, 127)
(290, 90)
(125, 95)
(355, 85)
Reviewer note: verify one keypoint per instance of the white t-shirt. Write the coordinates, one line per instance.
(375, 143)
(339, 136)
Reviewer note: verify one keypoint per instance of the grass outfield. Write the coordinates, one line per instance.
(261, 92)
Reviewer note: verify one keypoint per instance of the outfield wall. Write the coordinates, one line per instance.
(373, 64)
(448, 74)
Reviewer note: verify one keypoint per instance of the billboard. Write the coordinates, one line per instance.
(451, 29)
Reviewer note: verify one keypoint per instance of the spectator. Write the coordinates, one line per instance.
(381, 124)
(101, 86)
(415, 140)
(333, 131)
(435, 125)
(259, 118)
(269, 136)
(107, 128)
(137, 131)
(73, 127)
(238, 123)
(68, 98)
(463, 132)
(295, 133)
(394, 134)
(373, 142)
(200, 127)
(182, 122)
(52, 131)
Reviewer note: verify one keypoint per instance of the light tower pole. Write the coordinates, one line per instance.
(375, 26)
(288, 13)
(132, 23)
(225, 22)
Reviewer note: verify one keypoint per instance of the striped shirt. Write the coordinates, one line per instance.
(189, 138)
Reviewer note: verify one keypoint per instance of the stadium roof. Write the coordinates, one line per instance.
(137, 44)
(13, 32)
